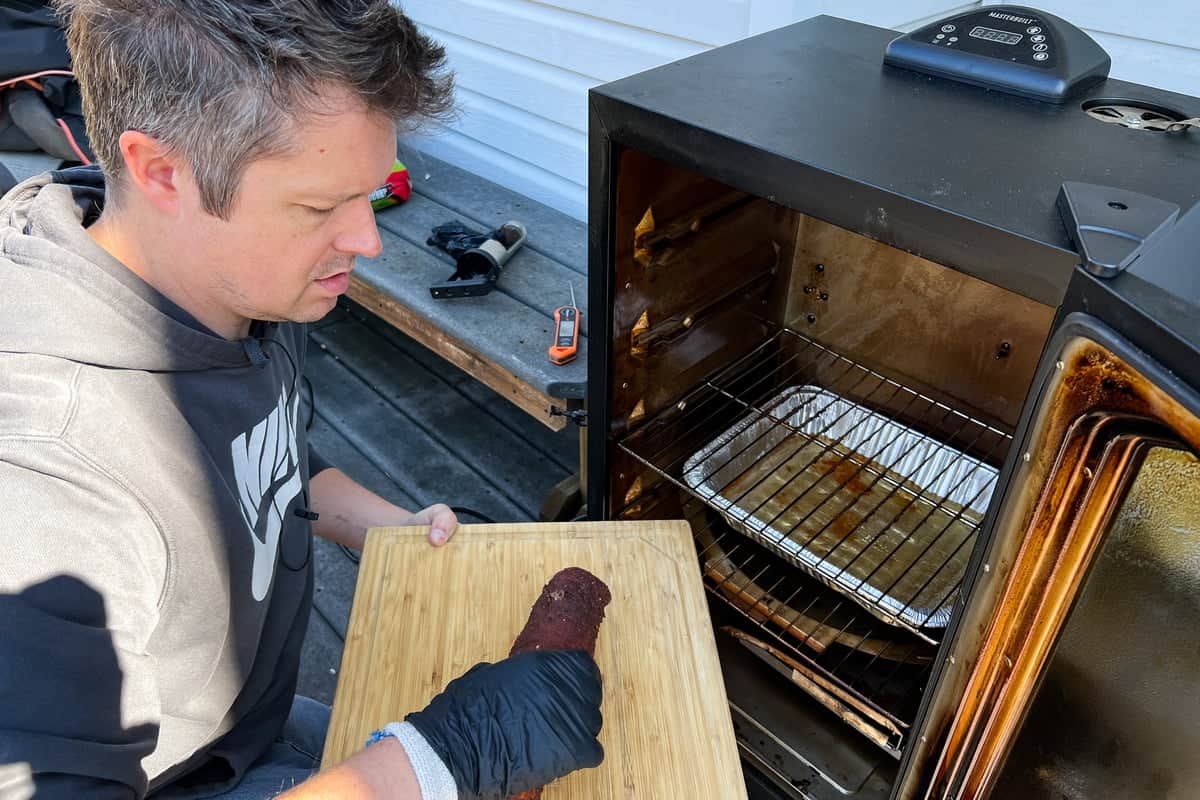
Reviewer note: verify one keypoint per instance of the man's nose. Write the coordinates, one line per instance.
(361, 235)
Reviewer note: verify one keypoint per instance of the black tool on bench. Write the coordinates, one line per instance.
(478, 257)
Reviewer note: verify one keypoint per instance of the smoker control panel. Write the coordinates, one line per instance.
(1007, 48)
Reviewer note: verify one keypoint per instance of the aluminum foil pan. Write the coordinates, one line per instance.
(874, 509)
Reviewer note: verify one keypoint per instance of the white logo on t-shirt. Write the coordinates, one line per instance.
(267, 471)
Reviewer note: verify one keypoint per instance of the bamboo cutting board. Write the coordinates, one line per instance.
(424, 615)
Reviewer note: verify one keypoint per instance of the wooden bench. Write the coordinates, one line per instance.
(500, 338)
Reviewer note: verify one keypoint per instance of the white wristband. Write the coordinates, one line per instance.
(433, 777)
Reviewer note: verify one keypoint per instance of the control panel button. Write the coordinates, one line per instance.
(1037, 38)
(1041, 48)
(1034, 30)
(954, 38)
(940, 36)
(948, 29)
(1040, 56)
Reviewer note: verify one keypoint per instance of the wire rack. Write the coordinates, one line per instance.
(868, 486)
(869, 673)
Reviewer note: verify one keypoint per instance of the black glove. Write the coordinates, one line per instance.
(508, 727)
(456, 238)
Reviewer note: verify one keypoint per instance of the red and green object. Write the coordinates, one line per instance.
(395, 191)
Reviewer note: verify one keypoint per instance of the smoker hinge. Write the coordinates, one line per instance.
(1112, 227)
(576, 415)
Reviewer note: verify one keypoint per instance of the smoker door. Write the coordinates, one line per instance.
(1071, 670)
(1115, 715)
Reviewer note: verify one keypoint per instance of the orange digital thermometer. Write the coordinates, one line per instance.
(566, 333)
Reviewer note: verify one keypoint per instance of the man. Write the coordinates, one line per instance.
(155, 551)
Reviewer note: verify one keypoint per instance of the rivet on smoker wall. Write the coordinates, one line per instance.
(1059, 365)
(688, 322)
(808, 290)
(629, 284)
(950, 659)
(625, 385)
(987, 568)
(811, 318)
(824, 295)
(1026, 457)
(820, 267)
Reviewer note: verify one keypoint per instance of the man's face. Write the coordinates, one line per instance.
(297, 222)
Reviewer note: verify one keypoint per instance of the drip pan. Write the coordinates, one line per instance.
(876, 510)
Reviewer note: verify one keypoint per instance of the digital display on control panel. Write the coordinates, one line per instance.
(993, 35)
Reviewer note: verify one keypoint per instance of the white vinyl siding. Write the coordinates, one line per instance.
(524, 67)
(1156, 42)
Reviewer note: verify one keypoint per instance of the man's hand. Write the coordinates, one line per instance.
(346, 509)
(520, 723)
(441, 520)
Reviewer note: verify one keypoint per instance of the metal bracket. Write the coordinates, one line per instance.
(577, 415)
(1111, 227)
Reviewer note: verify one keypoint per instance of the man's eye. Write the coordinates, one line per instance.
(321, 211)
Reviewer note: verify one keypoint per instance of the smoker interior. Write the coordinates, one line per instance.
(827, 411)
(858, 494)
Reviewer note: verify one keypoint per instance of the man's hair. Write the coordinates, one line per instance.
(219, 82)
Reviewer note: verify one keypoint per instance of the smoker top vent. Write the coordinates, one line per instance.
(1139, 115)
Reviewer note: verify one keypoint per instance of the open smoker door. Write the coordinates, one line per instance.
(1070, 671)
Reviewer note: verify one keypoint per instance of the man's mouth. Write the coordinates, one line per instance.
(336, 283)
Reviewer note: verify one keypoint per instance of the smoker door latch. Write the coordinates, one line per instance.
(577, 415)
(1111, 227)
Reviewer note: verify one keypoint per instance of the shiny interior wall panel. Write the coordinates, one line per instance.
(1098, 727)
(961, 340)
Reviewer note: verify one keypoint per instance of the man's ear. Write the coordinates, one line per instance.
(152, 170)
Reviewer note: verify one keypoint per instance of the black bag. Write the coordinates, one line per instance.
(40, 104)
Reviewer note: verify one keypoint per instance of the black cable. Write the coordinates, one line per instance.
(303, 511)
(295, 369)
(312, 402)
(312, 406)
